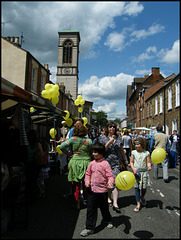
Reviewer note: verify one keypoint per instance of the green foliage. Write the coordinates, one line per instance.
(101, 118)
(117, 120)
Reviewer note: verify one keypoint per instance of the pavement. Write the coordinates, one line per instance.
(54, 217)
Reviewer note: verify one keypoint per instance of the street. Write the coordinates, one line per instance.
(53, 217)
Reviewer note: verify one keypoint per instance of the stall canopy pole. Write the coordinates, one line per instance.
(54, 132)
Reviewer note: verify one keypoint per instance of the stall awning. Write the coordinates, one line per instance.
(142, 129)
(11, 95)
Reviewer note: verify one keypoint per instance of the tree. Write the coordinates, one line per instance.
(101, 118)
(117, 120)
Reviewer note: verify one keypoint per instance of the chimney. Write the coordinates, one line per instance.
(14, 40)
(155, 70)
(45, 66)
(62, 87)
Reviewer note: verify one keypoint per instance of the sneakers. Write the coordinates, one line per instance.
(86, 232)
(109, 225)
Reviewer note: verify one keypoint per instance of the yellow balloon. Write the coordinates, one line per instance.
(52, 93)
(48, 86)
(80, 109)
(79, 97)
(57, 93)
(53, 132)
(125, 180)
(77, 102)
(45, 94)
(82, 101)
(59, 150)
(55, 100)
(85, 120)
(55, 87)
(158, 155)
(67, 115)
(32, 109)
(69, 122)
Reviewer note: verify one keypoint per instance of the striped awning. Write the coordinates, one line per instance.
(12, 95)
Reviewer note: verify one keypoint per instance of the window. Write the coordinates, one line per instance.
(170, 97)
(143, 117)
(161, 102)
(147, 111)
(156, 106)
(150, 109)
(177, 93)
(132, 110)
(42, 82)
(174, 125)
(33, 79)
(67, 52)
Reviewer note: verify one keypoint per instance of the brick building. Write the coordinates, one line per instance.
(133, 103)
(163, 106)
(152, 100)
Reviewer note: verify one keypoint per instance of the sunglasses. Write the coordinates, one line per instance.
(112, 126)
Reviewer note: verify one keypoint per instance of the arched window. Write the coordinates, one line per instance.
(67, 52)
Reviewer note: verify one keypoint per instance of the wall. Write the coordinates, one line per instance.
(13, 63)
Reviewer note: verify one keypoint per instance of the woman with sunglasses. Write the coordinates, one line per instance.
(116, 157)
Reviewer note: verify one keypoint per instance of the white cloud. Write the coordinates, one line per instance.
(45, 19)
(118, 41)
(112, 109)
(141, 34)
(106, 88)
(115, 41)
(133, 8)
(146, 55)
(171, 56)
(164, 55)
(143, 72)
(121, 115)
(108, 108)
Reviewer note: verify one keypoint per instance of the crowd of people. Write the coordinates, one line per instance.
(97, 158)
(94, 159)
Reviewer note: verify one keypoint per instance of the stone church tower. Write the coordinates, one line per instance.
(68, 58)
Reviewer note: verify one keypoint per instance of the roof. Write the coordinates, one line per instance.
(139, 80)
(69, 30)
(169, 80)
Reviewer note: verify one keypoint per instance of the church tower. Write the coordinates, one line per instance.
(68, 58)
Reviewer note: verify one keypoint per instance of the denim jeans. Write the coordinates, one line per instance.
(165, 169)
(137, 193)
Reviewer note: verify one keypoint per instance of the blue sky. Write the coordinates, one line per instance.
(119, 41)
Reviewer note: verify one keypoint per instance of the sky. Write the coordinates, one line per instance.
(120, 41)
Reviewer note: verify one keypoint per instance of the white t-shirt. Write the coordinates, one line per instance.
(126, 141)
(140, 162)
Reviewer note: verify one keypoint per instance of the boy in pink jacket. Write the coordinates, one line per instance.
(98, 178)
